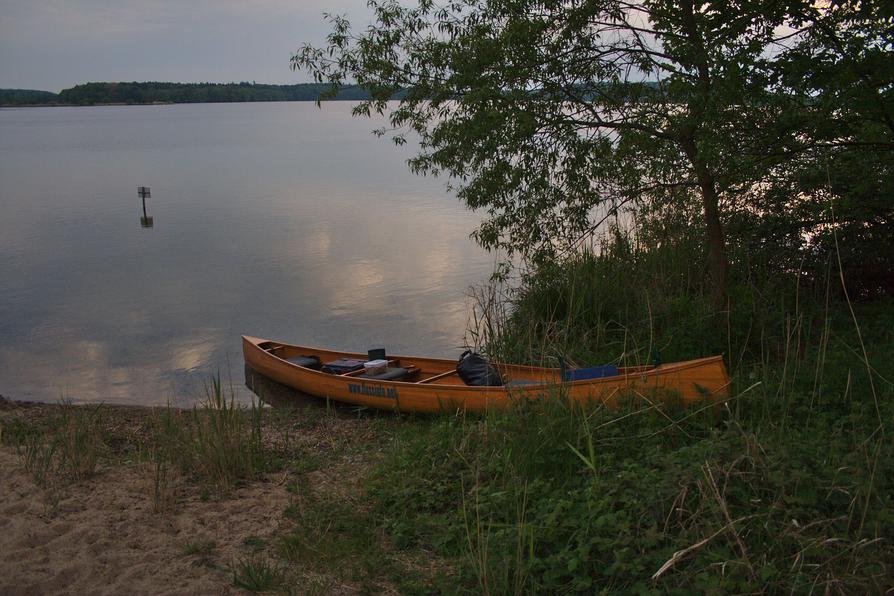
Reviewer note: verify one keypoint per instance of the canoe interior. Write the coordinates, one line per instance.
(430, 371)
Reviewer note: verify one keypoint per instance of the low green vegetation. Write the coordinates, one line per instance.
(557, 499)
(336, 537)
(787, 486)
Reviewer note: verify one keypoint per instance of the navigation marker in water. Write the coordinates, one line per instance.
(143, 192)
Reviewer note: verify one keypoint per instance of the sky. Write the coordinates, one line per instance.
(55, 44)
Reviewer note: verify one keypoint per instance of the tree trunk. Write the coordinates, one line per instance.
(717, 265)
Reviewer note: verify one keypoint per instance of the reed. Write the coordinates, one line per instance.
(218, 443)
(163, 492)
(60, 449)
(226, 441)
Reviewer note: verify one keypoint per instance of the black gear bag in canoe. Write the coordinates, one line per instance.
(475, 371)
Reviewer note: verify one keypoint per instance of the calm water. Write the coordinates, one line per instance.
(278, 220)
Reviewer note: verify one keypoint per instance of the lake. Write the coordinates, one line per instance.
(278, 220)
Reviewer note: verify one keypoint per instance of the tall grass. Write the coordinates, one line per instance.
(227, 440)
(218, 443)
(61, 449)
(786, 490)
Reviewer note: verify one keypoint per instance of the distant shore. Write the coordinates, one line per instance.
(152, 93)
(76, 105)
(153, 103)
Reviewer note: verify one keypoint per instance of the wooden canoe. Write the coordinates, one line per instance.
(433, 385)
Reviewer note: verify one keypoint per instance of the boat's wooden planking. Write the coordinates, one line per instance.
(691, 381)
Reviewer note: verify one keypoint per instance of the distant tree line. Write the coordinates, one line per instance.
(26, 97)
(157, 92)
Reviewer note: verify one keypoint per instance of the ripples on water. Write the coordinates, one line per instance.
(277, 220)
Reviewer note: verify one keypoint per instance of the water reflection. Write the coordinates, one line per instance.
(282, 221)
(277, 395)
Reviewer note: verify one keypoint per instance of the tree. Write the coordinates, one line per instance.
(827, 160)
(548, 114)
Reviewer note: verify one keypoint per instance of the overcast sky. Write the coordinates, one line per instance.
(55, 44)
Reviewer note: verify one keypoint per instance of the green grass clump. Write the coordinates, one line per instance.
(219, 443)
(257, 573)
(254, 543)
(60, 449)
(200, 547)
(201, 552)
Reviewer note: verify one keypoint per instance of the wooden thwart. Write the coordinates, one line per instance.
(352, 373)
(436, 377)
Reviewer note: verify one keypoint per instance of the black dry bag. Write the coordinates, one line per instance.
(474, 370)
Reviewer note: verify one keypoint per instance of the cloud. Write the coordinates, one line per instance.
(52, 44)
(89, 20)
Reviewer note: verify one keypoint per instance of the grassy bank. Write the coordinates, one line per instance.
(556, 499)
(786, 487)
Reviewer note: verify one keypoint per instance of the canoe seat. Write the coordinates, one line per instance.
(311, 362)
(594, 372)
(391, 374)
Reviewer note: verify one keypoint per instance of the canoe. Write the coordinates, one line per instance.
(431, 384)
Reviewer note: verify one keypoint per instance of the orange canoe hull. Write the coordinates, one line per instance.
(434, 389)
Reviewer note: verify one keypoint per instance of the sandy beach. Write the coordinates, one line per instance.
(104, 534)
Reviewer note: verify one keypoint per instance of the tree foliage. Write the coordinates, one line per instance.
(550, 114)
(26, 97)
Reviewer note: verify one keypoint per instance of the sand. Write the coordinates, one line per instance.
(102, 536)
